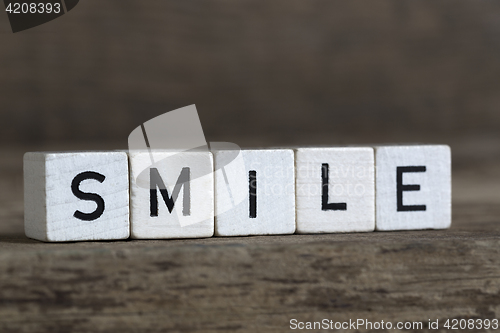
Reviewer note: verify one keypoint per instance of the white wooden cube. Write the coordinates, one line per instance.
(256, 197)
(171, 194)
(335, 189)
(413, 187)
(76, 196)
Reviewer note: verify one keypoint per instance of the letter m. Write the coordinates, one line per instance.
(155, 181)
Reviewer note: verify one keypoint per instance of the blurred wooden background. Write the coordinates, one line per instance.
(276, 72)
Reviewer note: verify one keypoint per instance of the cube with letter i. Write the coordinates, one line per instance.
(255, 192)
(76, 196)
(171, 194)
(335, 189)
(413, 187)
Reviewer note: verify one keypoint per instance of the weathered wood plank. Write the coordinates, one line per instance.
(249, 284)
(246, 284)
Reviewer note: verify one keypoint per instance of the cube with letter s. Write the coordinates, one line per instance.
(76, 196)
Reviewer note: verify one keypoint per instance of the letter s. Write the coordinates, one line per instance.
(75, 184)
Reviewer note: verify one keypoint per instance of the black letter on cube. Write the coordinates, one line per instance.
(156, 181)
(401, 188)
(325, 175)
(75, 188)
(252, 185)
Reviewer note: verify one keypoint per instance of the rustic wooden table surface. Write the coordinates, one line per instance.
(256, 284)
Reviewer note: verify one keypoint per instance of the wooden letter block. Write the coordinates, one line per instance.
(335, 189)
(257, 196)
(76, 196)
(171, 194)
(413, 187)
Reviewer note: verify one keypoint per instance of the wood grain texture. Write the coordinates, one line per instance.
(388, 69)
(249, 284)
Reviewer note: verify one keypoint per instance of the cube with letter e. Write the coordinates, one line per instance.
(413, 187)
